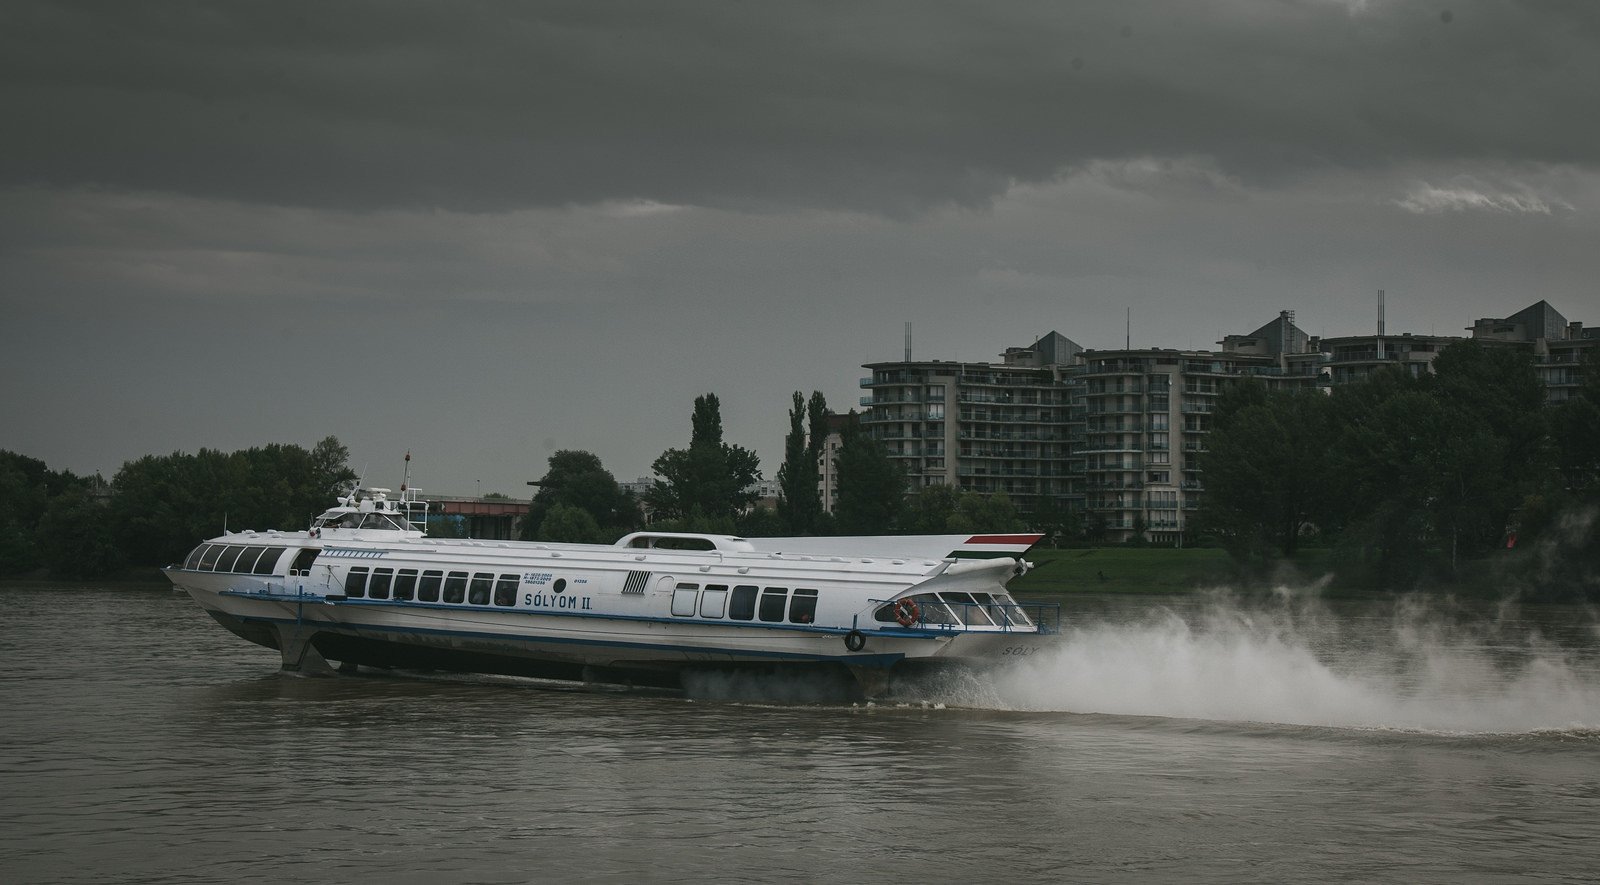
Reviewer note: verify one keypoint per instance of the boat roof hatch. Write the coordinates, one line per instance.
(684, 541)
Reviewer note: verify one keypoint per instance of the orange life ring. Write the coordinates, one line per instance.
(906, 612)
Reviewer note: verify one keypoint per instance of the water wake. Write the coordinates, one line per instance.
(1296, 663)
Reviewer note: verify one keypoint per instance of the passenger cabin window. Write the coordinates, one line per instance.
(772, 603)
(228, 558)
(208, 559)
(505, 590)
(455, 587)
(683, 599)
(268, 563)
(479, 594)
(428, 587)
(803, 607)
(378, 587)
(405, 584)
(712, 601)
(742, 605)
(246, 563)
(355, 583)
(193, 561)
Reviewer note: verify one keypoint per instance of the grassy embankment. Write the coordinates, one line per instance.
(1143, 570)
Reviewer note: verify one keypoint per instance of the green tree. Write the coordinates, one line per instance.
(75, 535)
(872, 487)
(929, 509)
(710, 478)
(976, 513)
(25, 494)
(799, 504)
(162, 505)
(569, 524)
(1059, 524)
(1265, 467)
(577, 479)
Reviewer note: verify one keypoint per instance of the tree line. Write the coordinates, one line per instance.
(155, 509)
(707, 487)
(1412, 478)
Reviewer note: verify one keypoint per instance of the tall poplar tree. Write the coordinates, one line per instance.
(711, 479)
(799, 504)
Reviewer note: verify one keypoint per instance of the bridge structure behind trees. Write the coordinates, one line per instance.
(489, 519)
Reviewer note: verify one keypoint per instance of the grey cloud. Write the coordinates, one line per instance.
(885, 108)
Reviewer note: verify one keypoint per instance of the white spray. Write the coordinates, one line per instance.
(1294, 663)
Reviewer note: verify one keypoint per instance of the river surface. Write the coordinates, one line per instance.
(1168, 740)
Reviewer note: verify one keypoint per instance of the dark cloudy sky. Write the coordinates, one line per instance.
(485, 231)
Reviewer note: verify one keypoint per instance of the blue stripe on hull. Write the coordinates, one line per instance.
(734, 655)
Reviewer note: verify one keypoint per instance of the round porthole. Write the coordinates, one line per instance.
(561, 584)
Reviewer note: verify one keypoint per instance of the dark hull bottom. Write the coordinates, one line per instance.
(801, 681)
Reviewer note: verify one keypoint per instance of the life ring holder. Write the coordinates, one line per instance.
(906, 612)
(855, 640)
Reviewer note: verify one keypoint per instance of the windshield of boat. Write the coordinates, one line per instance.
(335, 519)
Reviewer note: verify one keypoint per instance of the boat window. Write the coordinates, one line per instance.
(380, 521)
(303, 560)
(347, 521)
(355, 583)
(246, 563)
(194, 557)
(773, 600)
(378, 587)
(268, 563)
(428, 588)
(803, 607)
(712, 600)
(208, 558)
(228, 558)
(505, 589)
(683, 599)
(479, 594)
(455, 587)
(967, 609)
(932, 610)
(1005, 610)
(742, 607)
(405, 583)
(684, 544)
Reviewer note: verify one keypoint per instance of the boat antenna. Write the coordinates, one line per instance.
(406, 482)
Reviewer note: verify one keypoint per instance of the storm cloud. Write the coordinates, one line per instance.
(487, 230)
(877, 107)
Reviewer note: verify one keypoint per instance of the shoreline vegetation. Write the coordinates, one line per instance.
(1462, 481)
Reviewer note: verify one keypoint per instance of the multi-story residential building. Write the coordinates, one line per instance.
(983, 427)
(1118, 433)
(1147, 415)
(1559, 346)
(828, 462)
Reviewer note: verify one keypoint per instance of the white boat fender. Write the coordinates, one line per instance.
(855, 640)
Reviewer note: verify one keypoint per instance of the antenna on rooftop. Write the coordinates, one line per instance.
(1127, 331)
(1380, 324)
(908, 342)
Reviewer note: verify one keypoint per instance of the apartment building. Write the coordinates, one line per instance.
(1119, 433)
(1559, 346)
(984, 427)
(1146, 416)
